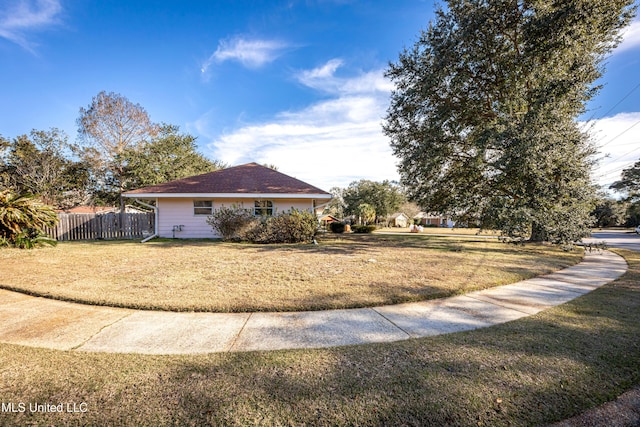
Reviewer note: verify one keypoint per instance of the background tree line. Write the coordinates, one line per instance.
(118, 148)
(626, 211)
(370, 202)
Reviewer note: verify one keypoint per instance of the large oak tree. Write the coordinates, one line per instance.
(483, 116)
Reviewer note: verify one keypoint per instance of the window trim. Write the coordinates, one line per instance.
(204, 210)
(263, 208)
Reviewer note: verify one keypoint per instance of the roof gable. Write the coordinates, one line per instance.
(250, 178)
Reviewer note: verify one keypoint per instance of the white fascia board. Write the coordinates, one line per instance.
(227, 196)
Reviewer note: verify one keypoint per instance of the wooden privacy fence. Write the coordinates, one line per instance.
(104, 226)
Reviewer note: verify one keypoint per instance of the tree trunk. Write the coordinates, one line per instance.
(538, 234)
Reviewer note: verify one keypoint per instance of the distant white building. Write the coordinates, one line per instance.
(399, 220)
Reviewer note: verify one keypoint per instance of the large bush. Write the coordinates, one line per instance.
(233, 223)
(290, 227)
(23, 220)
(363, 228)
(337, 227)
(237, 224)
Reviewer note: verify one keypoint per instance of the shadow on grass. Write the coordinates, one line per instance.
(529, 372)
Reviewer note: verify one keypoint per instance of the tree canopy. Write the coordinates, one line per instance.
(38, 164)
(118, 149)
(170, 155)
(483, 112)
(108, 127)
(629, 182)
(125, 149)
(384, 197)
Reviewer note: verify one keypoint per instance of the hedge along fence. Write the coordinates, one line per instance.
(105, 226)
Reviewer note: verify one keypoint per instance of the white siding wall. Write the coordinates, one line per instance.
(174, 211)
(180, 212)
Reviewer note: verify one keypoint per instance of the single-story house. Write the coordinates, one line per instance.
(399, 219)
(183, 206)
(434, 220)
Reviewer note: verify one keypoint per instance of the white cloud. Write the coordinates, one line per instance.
(618, 140)
(324, 79)
(630, 37)
(252, 53)
(329, 143)
(21, 17)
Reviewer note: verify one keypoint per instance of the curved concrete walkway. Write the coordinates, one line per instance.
(41, 322)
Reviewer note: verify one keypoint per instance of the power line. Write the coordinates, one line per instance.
(626, 154)
(617, 103)
(620, 134)
(616, 170)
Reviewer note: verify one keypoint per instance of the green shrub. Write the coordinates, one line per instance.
(29, 239)
(234, 223)
(237, 224)
(363, 228)
(336, 227)
(23, 220)
(290, 227)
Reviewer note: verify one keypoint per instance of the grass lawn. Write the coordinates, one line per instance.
(531, 371)
(341, 272)
(455, 231)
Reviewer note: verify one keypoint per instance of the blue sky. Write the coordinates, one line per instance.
(298, 84)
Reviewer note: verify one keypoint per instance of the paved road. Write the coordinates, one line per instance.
(623, 239)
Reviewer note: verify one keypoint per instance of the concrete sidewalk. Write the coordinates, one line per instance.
(41, 322)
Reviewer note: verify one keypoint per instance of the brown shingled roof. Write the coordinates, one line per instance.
(249, 178)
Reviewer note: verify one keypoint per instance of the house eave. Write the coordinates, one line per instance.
(228, 195)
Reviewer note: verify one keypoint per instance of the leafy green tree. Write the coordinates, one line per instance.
(38, 164)
(107, 128)
(633, 214)
(385, 197)
(366, 213)
(629, 182)
(609, 213)
(171, 155)
(24, 219)
(483, 114)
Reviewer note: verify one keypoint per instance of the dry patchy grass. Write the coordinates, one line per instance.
(351, 271)
(344, 272)
(532, 371)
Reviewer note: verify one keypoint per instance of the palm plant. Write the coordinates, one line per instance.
(23, 220)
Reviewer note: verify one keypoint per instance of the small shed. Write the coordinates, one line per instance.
(325, 220)
(399, 220)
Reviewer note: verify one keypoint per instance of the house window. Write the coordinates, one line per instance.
(202, 207)
(263, 208)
